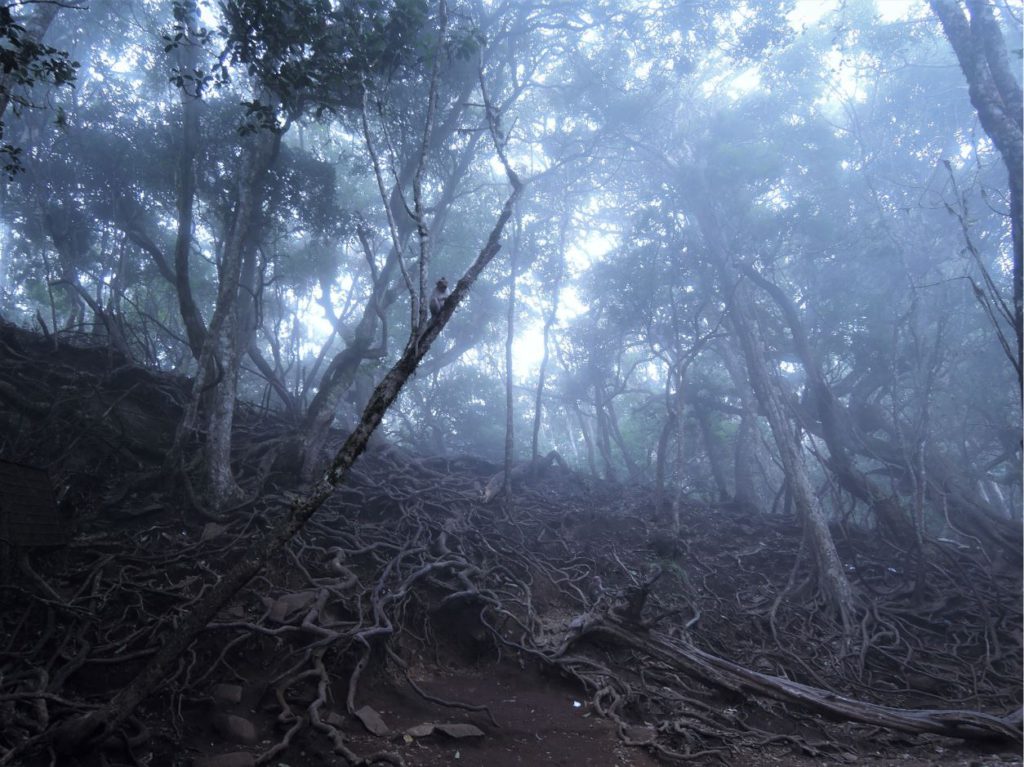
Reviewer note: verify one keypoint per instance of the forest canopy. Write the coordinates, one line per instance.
(758, 256)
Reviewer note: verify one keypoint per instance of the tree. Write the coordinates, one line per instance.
(995, 92)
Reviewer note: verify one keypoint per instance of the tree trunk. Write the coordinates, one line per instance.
(510, 335)
(996, 95)
(604, 445)
(549, 320)
(616, 435)
(713, 447)
(188, 50)
(661, 461)
(223, 346)
(587, 441)
(680, 472)
(744, 460)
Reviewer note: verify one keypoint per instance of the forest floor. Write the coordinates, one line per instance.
(413, 623)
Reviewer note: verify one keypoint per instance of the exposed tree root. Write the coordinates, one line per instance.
(405, 564)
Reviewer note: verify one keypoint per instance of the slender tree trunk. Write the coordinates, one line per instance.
(744, 460)
(223, 347)
(343, 369)
(713, 446)
(680, 473)
(587, 441)
(661, 461)
(188, 53)
(510, 336)
(549, 320)
(995, 93)
(538, 403)
(616, 435)
(602, 437)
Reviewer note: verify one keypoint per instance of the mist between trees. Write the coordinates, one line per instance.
(766, 256)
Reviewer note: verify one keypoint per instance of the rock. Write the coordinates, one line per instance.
(227, 693)
(372, 721)
(452, 730)
(334, 719)
(285, 605)
(640, 734)
(420, 730)
(234, 759)
(456, 730)
(212, 530)
(236, 728)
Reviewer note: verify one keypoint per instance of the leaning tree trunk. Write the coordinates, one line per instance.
(834, 427)
(97, 725)
(831, 575)
(344, 368)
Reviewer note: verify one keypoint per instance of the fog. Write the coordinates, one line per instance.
(755, 258)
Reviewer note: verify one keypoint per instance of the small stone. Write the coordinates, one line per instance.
(236, 728)
(284, 606)
(227, 693)
(460, 730)
(372, 721)
(640, 734)
(334, 719)
(212, 530)
(235, 759)
(420, 730)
